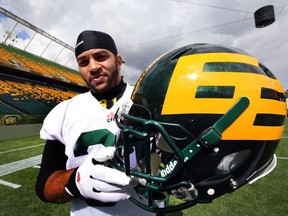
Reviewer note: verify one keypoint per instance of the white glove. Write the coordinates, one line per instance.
(102, 153)
(98, 182)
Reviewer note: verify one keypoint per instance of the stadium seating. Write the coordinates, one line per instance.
(29, 99)
(27, 86)
(7, 110)
(12, 55)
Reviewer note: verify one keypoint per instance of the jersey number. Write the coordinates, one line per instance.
(86, 139)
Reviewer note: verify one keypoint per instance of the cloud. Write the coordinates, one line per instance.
(143, 30)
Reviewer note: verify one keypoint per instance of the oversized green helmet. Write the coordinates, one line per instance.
(203, 121)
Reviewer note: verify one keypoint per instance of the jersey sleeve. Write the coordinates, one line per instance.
(52, 125)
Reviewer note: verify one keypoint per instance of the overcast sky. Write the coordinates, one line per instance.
(145, 29)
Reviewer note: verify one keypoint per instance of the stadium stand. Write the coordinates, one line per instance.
(36, 64)
(30, 99)
(6, 110)
(30, 86)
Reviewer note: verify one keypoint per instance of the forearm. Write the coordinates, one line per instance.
(53, 176)
(54, 190)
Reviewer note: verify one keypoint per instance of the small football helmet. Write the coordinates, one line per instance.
(203, 121)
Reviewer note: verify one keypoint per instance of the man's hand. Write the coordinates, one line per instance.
(93, 180)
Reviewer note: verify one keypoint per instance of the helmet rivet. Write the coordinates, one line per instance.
(211, 192)
(233, 184)
(216, 150)
(191, 151)
(198, 145)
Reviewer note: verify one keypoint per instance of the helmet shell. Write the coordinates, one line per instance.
(195, 85)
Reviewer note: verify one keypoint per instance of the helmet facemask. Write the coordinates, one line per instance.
(149, 150)
(142, 146)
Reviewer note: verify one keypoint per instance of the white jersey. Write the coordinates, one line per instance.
(80, 123)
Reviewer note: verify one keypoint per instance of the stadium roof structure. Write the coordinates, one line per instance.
(70, 60)
(20, 58)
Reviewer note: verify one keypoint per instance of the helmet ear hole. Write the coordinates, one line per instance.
(233, 160)
(155, 161)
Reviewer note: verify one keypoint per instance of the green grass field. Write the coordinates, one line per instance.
(268, 196)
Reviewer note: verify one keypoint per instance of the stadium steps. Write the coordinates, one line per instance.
(16, 98)
(6, 109)
(26, 104)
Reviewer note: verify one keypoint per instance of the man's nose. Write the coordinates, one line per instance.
(94, 65)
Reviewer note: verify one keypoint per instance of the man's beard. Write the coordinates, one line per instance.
(112, 82)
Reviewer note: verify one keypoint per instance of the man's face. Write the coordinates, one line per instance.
(100, 69)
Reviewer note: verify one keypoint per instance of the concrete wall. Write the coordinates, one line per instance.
(19, 131)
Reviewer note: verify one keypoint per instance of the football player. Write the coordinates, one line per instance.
(80, 135)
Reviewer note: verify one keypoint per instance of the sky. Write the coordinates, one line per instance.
(145, 29)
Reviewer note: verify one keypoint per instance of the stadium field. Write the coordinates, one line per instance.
(19, 165)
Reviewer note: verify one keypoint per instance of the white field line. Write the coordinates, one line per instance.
(19, 149)
(19, 165)
(282, 158)
(16, 166)
(9, 184)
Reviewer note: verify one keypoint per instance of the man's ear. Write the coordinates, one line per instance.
(119, 60)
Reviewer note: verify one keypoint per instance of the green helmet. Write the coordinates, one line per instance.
(203, 121)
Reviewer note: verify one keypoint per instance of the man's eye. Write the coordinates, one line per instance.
(100, 57)
(83, 63)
